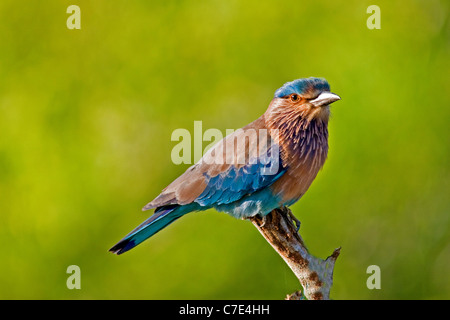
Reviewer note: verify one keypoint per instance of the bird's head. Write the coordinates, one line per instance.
(308, 98)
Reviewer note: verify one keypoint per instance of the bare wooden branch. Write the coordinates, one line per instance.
(315, 274)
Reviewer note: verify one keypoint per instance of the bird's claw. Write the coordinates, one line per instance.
(294, 220)
(263, 221)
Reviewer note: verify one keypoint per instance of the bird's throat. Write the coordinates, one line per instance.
(301, 139)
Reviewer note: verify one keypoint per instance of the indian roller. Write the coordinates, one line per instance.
(268, 164)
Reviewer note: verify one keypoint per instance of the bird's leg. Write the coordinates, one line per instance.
(294, 220)
(260, 219)
(263, 219)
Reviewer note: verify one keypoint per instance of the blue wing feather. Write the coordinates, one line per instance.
(235, 183)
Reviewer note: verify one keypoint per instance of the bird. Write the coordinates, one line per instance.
(267, 164)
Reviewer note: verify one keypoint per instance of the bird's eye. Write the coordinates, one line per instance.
(294, 97)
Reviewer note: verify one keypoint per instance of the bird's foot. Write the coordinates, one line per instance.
(260, 219)
(263, 223)
(294, 220)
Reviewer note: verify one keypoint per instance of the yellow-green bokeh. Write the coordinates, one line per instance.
(86, 118)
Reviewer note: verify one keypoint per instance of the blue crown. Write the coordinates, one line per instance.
(301, 86)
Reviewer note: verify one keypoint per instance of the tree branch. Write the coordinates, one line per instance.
(315, 274)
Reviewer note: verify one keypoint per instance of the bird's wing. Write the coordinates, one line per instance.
(242, 163)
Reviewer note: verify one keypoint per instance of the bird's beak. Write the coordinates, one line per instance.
(325, 98)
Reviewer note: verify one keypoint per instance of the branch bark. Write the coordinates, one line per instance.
(315, 274)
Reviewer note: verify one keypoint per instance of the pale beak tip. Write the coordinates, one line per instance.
(325, 98)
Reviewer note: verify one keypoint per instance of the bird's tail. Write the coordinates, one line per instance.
(161, 218)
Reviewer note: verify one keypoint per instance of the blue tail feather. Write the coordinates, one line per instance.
(161, 218)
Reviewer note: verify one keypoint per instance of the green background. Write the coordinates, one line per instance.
(86, 118)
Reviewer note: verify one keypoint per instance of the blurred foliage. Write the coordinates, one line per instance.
(86, 118)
